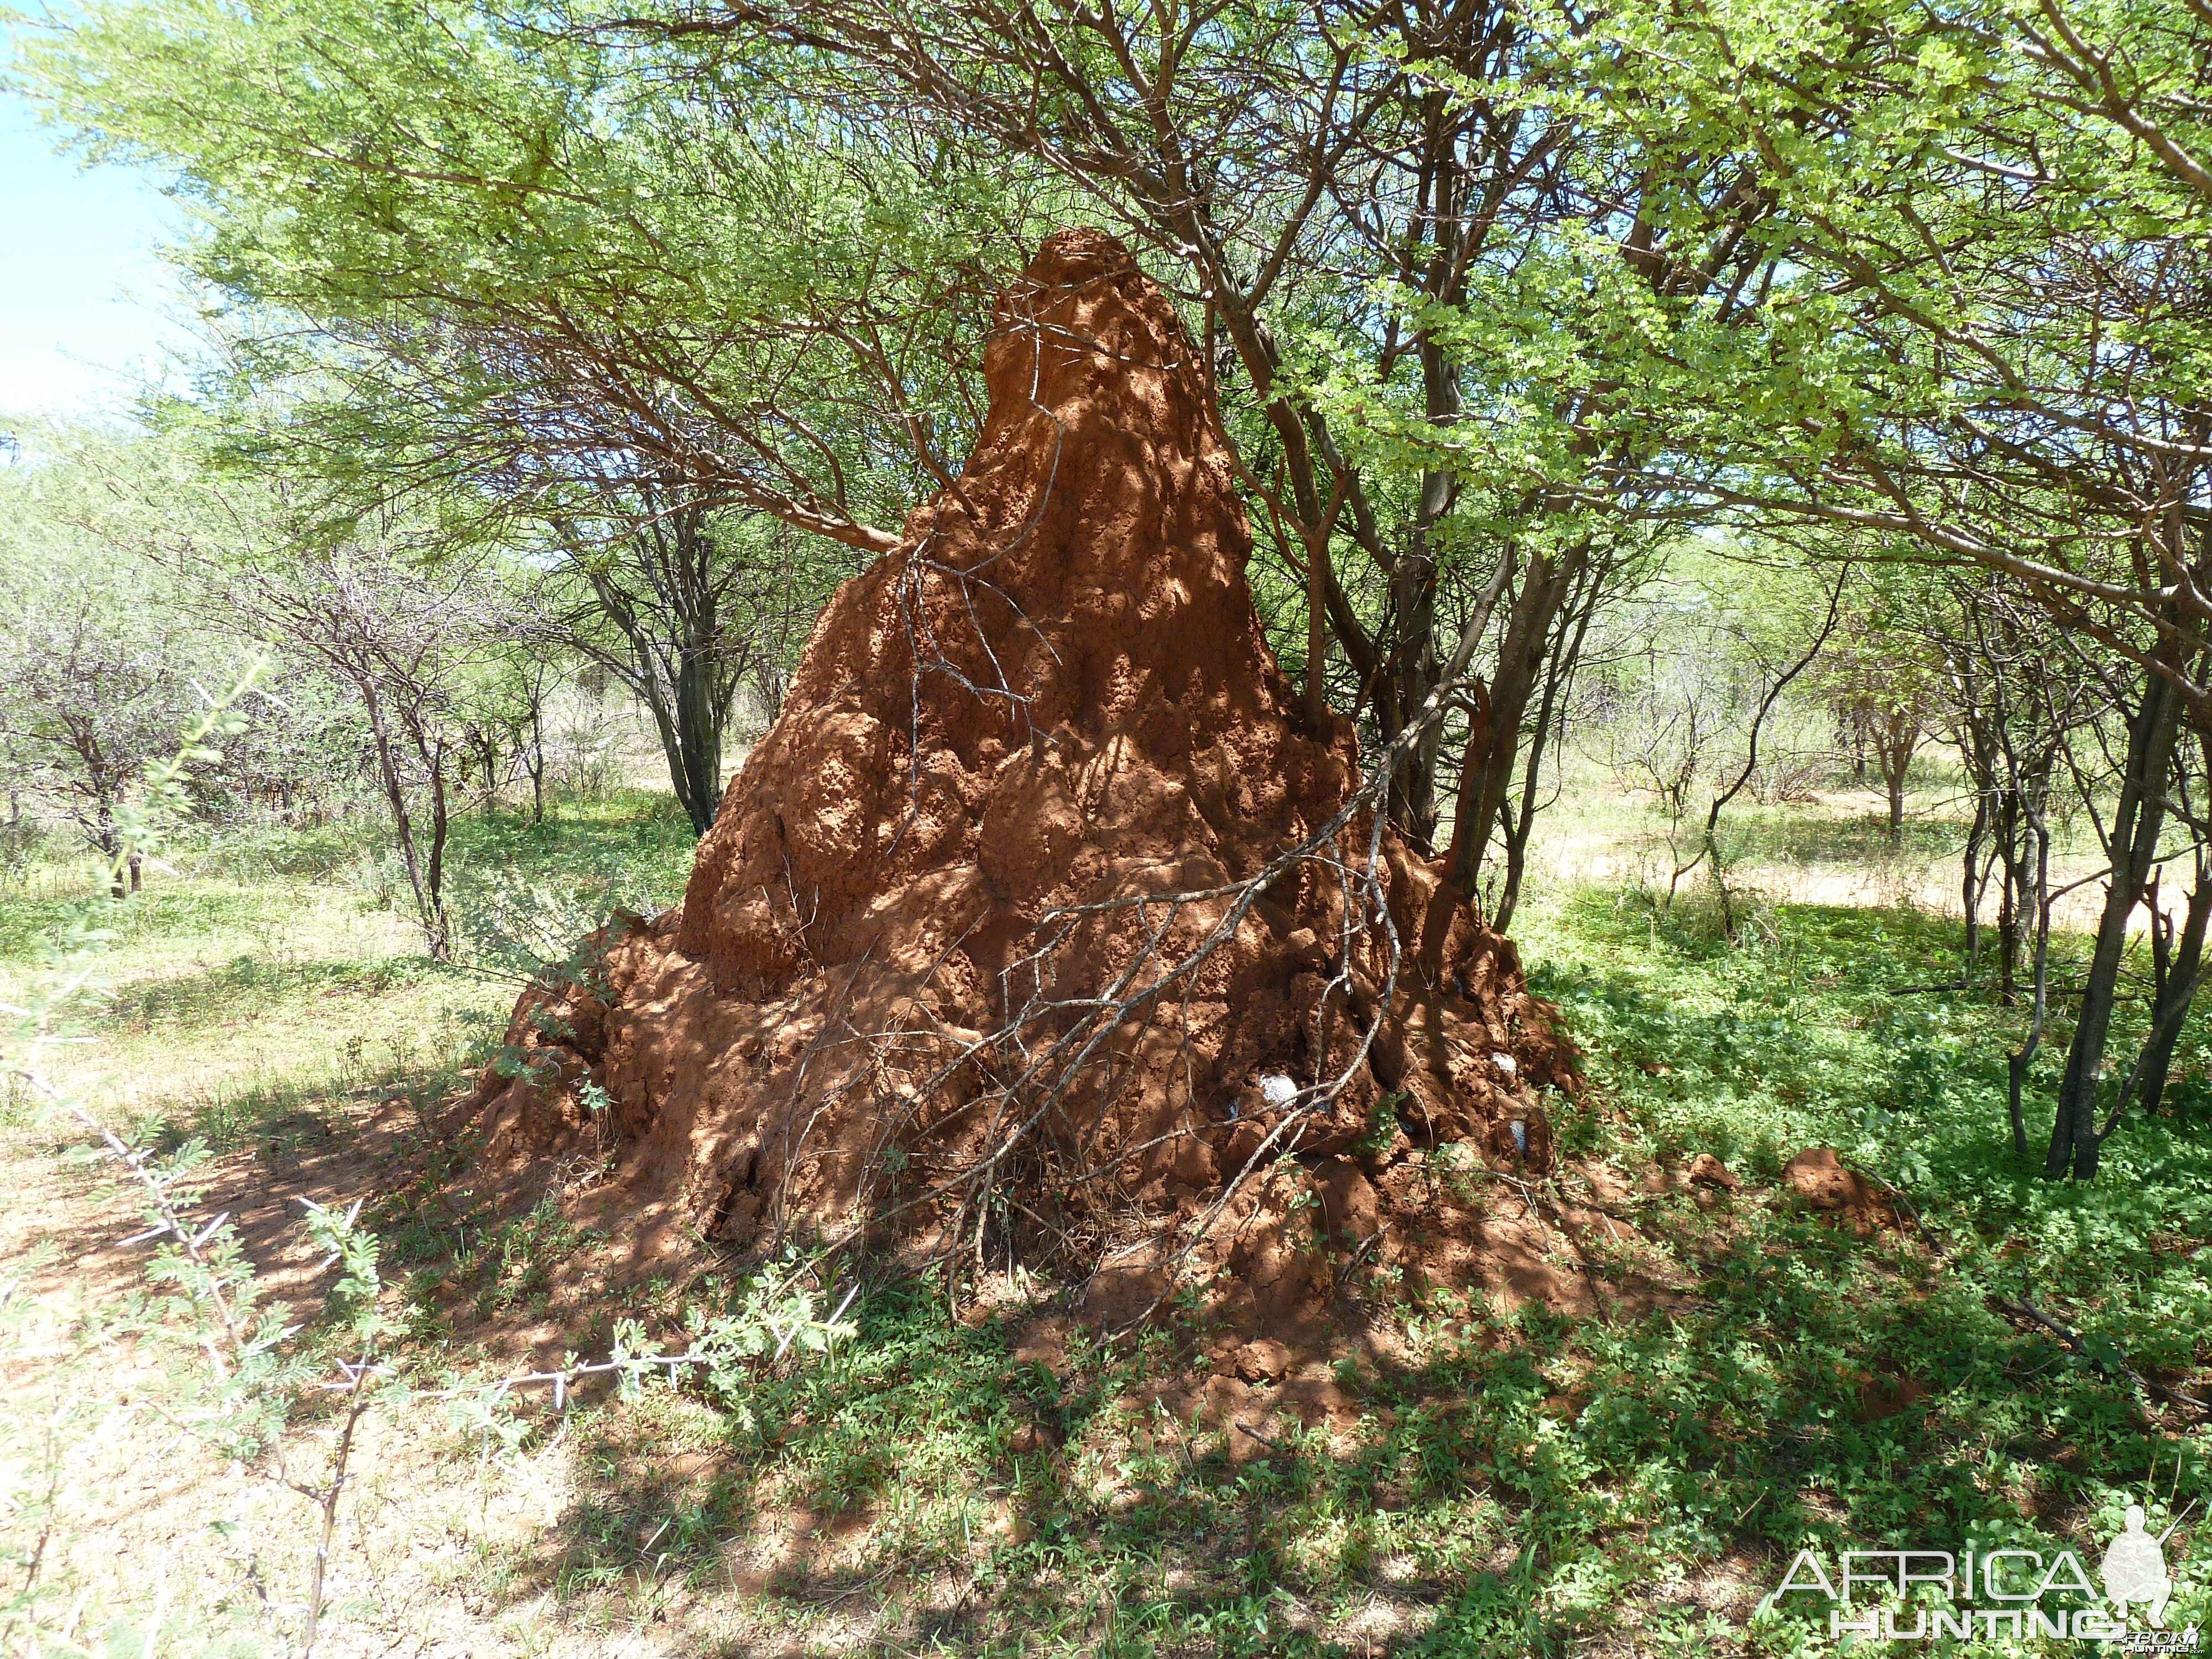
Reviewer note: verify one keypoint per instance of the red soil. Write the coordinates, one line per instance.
(1054, 694)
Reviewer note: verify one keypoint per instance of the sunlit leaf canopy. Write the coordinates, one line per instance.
(1491, 294)
(454, 251)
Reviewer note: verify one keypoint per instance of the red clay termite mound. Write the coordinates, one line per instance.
(1024, 929)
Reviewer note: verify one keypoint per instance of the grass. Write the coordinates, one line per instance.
(1749, 1051)
(243, 981)
(1834, 848)
(1519, 1482)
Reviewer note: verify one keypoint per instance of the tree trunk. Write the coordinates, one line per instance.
(1559, 669)
(537, 762)
(2177, 987)
(1467, 830)
(1520, 656)
(491, 771)
(1972, 878)
(678, 663)
(699, 720)
(2012, 918)
(402, 823)
(2136, 821)
(770, 679)
(1893, 747)
(1415, 665)
(2037, 891)
(104, 837)
(434, 923)
(1317, 632)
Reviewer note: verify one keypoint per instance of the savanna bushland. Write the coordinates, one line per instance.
(1301, 829)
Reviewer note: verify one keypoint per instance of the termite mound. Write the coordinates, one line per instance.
(1018, 937)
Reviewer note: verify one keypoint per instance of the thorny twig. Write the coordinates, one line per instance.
(326, 1496)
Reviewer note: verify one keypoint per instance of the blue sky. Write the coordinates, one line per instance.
(85, 304)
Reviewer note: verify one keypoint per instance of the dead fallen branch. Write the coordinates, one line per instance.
(2117, 1368)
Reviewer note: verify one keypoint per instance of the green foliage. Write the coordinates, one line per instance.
(1795, 1042)
(97, 676)
(585, 213)
(528, 897)
(1932, 280)
(238, 1377)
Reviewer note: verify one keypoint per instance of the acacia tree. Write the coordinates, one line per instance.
(529, 261)
(2014, 713)
(1881, 675)
(95, 681)
(1986, 343)
(304, 754)
(1430, 300)
(1687, 678)
(400, 630)
(91, 689)
(684, 605)
(522, 673)
(403, 638)
(553, 294)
